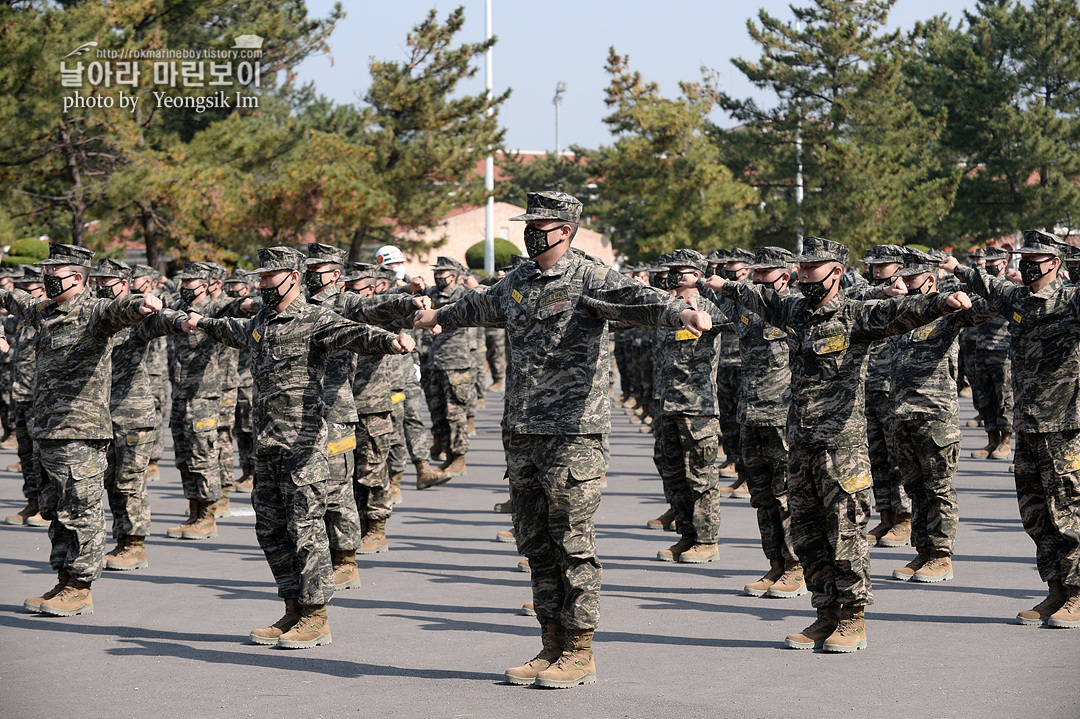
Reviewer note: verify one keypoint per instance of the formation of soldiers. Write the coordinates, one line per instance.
(316, 368)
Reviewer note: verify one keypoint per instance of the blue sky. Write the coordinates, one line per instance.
(541, 44)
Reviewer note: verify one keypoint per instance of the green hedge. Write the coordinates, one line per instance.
(474, 256)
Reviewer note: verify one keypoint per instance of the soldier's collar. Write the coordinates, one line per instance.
(1050, 290)
(326, 292)
(295, 308)
(561, 266)
(75, 301)
(829, 308)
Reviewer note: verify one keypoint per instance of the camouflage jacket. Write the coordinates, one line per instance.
(556, 327)
(879, 366)
(451, 348)
(686, 381)
(131, 402)
(74, 367)
(341, 365)
(195, 362)
(289, 354)
(1044, 349)
(828, 347)
(23, 355)
(924, 365)
(993, 335)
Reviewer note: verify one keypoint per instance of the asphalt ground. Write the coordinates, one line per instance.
(437, 619)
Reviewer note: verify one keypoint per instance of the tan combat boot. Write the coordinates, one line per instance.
(850, 634)
(735, 490)
(993, 439)
(269, 635)
(758, 588)
(193, 514)
(395, 487)
(506, 536)
(900, 533)
(454, 466)
(470, 426)
(346, 573)
(907, 571)
(246, 483)
(374, 539)
(630, 404)
(553, 636)
(523, 565)
(672, 553)
(130, 553)
(882, 528)
(727, 469)
(700, 554)
(428, 476)
(152, 471)
(814, 636)
(1002, 451)
(312, 630)
(504, 508)
(33, 604)
(222, 508)
(1068, 616)
(938, 568)
(204, 526)
(665, 521)
(73, 599)
(1038, 614)
(528, 609)
(17, 467)
(496, 386)
(791, 584)
(22, 517)
(575, 666)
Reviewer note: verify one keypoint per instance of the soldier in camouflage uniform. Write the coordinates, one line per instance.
(450, 372)
(556, 308)
(966, 379)
(734, 266)
(157, 367)
(23, 352)
(1045, 353)
(925, 437)
(71, 424)
(238, 286)
(686, 429)
(7, 409)
(495, 343)
(829, 478)
(890, 499)
(991, 376)
(228, 365)
(290, 342)
(131, 406)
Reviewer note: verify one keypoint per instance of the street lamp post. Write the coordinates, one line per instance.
(489, 166)
(559, 90)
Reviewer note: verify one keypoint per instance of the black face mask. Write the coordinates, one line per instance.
(314, 280)
(536, 241)
(1074, 274)
(674, 280)
(710, 270)
(54, 285)
(816, 292)
(726, 274)
(993, 271)
(658, 282)
(190, 295)
(232, 293)
(107, 292)
(272, 296)
(881, 281)
(1030, 271)
(919, 290)
(770, 285)
(443, 282)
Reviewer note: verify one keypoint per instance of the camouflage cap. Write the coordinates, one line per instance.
(239, 274)
(318, 253)
(977, 252)
(819, 249)
(142, 271)
(916, 262)
(217, 272)
(358, 271)
(108, 267)
(30, 275)
(738, 254)
(449, 264)
(1072, 253)
(767, 258)
(1036, 242)
(661, 264)
(884, 254)
(551, 205)
(383, 272)
(687, 258)
(715, 257)
(996, 253)
(60, 254)
(11, 272)
(194, 271)
(272, 259)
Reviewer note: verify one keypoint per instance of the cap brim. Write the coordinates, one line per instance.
(766, 267)
(52, 261)
(1033, 251)
(816, 258)
(912, 271)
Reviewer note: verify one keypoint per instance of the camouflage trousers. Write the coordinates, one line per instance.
(727, 399)
(245, 438)
(555, 491)
(688, 449)
(643, 373)
(1047, 474)
(226, 419)
(889, 493)
(290, 501)
(410, 432)
(927, 451)
(993, 376)
(371, 485)
(479, 379)
(829, 498)
(7, 408)
(622, 363)
(495, 347)
(965, 369)
(765, 460)
(125, 481)
(342, 518)
(159, 385)
(72, 484)
(194, 430)
(27, 451)
(450, 395)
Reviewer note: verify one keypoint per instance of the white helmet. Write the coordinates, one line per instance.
(388, 255)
